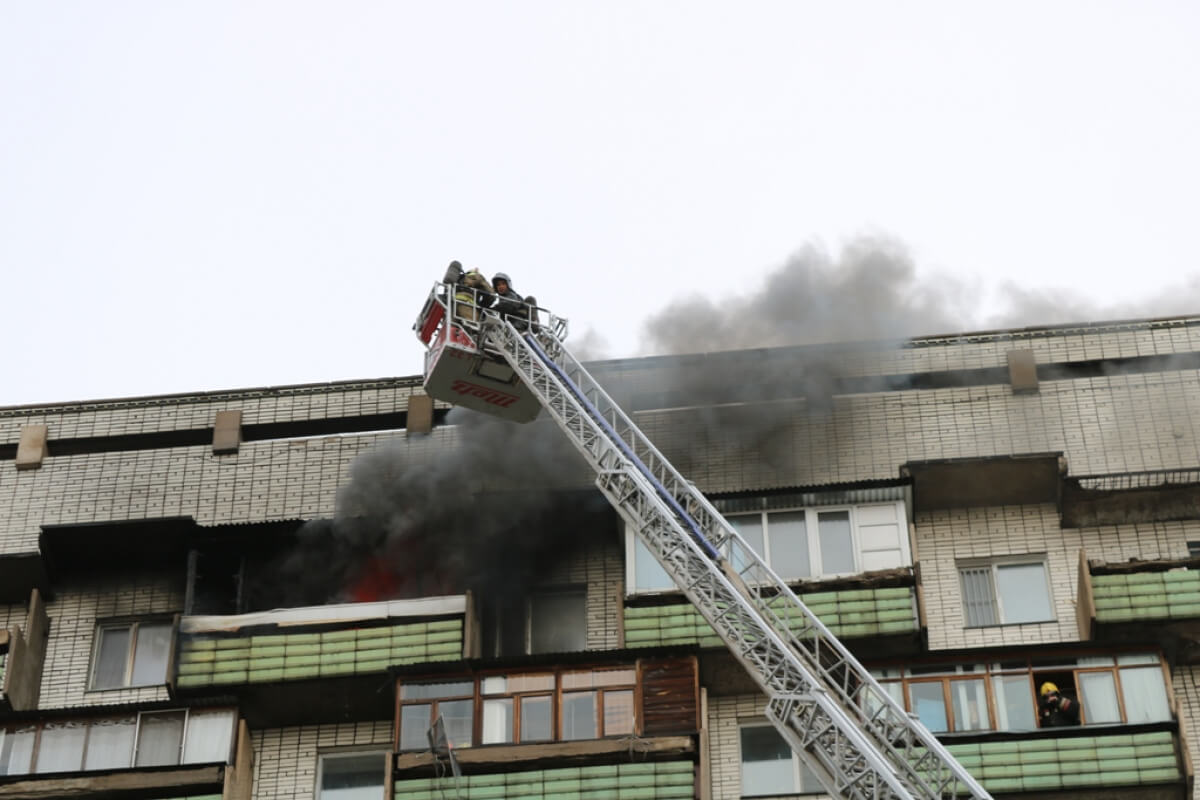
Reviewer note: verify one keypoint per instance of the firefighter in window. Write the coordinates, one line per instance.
(1056, 710)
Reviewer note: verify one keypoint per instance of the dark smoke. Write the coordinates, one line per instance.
(475, 513)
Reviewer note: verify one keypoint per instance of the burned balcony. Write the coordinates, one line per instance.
(1129, 497)
(1142, 601)
(325, 660)
(22, 657)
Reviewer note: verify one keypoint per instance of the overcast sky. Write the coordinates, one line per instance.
(210, 195)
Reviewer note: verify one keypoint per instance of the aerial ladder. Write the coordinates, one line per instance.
(857, 740)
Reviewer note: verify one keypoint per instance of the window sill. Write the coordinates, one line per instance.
(1008, 625)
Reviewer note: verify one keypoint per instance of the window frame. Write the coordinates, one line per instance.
(384, 767)
(812, 530)
(798, 787)
(995, 565)
(132, 626)
(137, 717)
(556, 692)
(558, 591)
(987, 668)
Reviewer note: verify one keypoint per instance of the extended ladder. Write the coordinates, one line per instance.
(857, 740)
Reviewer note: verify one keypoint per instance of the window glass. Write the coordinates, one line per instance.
(458, 715)
(159, 739)
(110, 743)
(648, 573)
(969, 702)
(1144, 694)
(768, 764)
(109, 669)
(1014, 703)
(558, 622)
(414, 723)
(1098, 695)
(209, 736)
(929, 704)
(352, 777)
(536, 719)
(978, 597)
(578, 715)
(1134, 658)
(435, 689)
(1024, 595)
(16, 750)
(498, 720)
(531, 683)
(495, 684)
(150, 655)
(837, 545)
(618, 713)
(789, 544)
(61, 747)
(749, 527)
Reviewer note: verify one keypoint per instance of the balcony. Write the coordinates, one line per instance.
(273, 660)
(1145, 764)
(22, 655)
(1143, 601)
(663, 780)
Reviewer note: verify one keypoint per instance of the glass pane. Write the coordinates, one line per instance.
(431, 690)
(1024, 595)
(558, 622)
(414, 723)
(150, 657)
(1145, 695)
(1014, 703)
(1098, 696)
(978, 598)
(579, 715)
(1136, 658)
(496, 684)
(61, 748)
(767, 763)
(837, 546)
(498, 721)
(618, 713)
(929, 704)
(459, 716)
(614, 677)
(749, 527)
(648, 574)
(209, 736)
(109, 669)
(789, 544)
(110, 743)
(536, 719)
(1095, 661)
(355, 777)
(16, 750)
(159, 739)
(969, 701)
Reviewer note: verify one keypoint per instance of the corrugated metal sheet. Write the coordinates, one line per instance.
(806, 499)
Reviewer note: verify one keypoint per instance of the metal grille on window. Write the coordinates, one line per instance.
(979, 596)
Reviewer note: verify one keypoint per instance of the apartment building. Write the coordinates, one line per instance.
(350, 591)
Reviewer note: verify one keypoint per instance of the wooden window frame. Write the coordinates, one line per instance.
(132, 625)
(555, 693)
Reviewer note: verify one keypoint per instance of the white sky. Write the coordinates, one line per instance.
(211, 195)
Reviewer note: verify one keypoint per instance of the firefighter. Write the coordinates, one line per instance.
(471, 292)
(1055, 710)
(509, 303)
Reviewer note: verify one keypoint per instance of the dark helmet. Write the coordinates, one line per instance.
(502, 276)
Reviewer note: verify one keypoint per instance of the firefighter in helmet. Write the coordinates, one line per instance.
(1054, 709)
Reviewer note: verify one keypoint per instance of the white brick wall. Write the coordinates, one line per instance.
(285, 759)
(944, 537)
(73, 615)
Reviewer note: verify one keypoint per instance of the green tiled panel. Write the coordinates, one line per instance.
(668, 780)
(266, 658)
(1147, 595)
(1053, 764)
(849, 614)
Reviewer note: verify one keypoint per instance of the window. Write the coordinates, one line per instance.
(520, 707)
(131, 654)
(1194, 549)
(351, 776)
(1002, 696)
(1007, 592)
(557, 622)
(801, 543)
(770, 767)
(148, 739)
